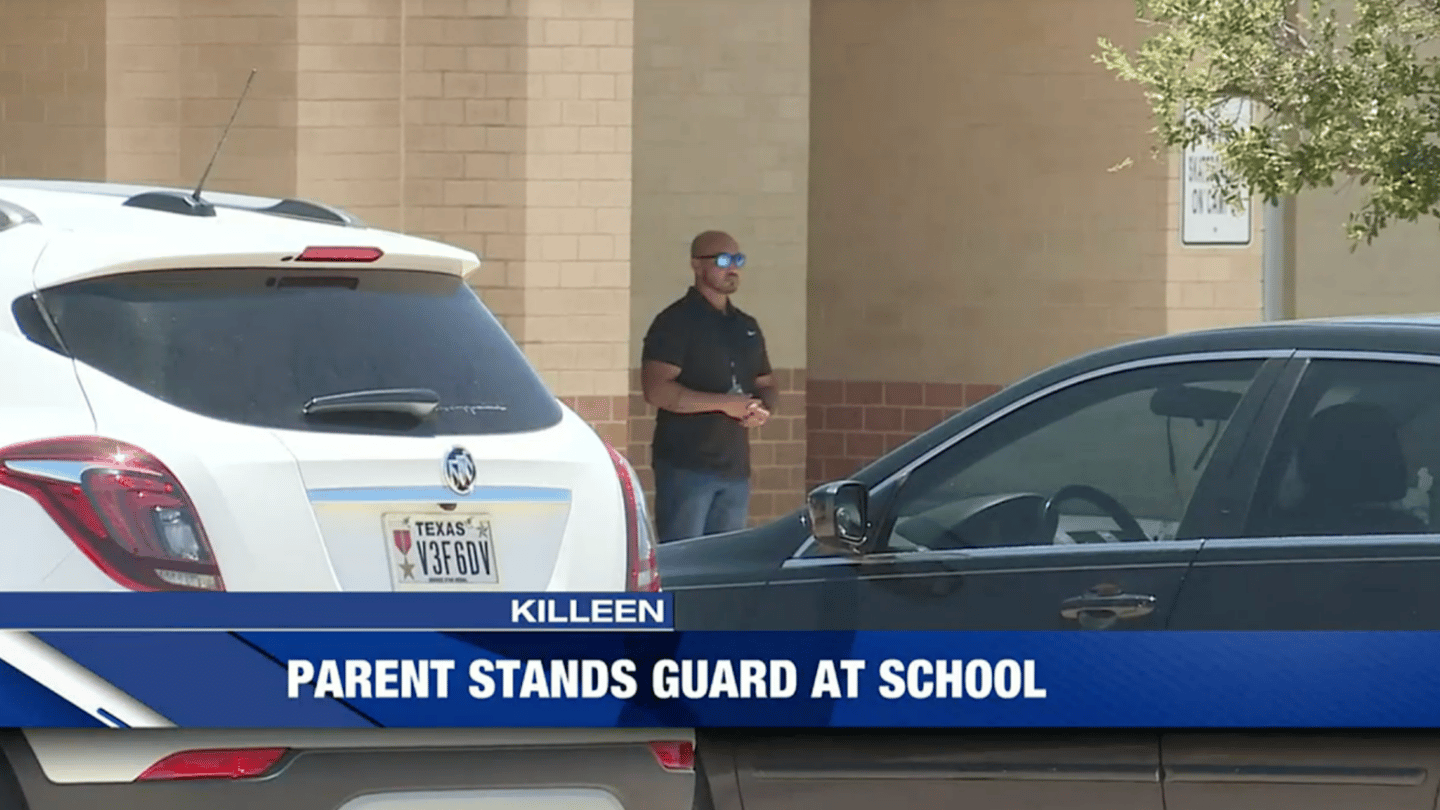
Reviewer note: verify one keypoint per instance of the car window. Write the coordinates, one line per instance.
(1143, 437)
(253, 346)
(1357, 453)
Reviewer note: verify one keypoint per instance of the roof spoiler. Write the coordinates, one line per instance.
(180, 202)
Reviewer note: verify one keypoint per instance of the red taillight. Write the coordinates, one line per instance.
(674, 755)
(121, 506)
(339, 254)
(225, 763)
(643, 571)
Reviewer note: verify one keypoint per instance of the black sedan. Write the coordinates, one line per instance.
(1268, 477)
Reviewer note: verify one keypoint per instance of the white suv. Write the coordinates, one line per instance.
(235, 393)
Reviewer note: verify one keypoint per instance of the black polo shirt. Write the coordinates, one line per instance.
(716, 352)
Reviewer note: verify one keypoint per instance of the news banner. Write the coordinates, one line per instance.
(614, 660)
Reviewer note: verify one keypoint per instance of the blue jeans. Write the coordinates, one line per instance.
(692, 503)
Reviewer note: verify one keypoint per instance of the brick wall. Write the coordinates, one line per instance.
(608, 415)
(349, 112)
(143, 103)
(966, 223)
(1395, 274)
(176, 71)
(52, 88)
(851, 423)
(577, 87)
(220, 42)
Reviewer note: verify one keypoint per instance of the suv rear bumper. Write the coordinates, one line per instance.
(601, 776)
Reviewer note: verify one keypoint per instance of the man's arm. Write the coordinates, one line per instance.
(765, 376)
(765, 389)
(661, 359)
(664, 391)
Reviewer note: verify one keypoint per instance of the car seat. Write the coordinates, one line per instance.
(1352, 469)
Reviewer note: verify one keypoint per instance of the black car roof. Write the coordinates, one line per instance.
(1393, 333)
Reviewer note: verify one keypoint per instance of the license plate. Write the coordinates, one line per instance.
(440, 550)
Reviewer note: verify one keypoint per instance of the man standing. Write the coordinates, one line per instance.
(706, 371)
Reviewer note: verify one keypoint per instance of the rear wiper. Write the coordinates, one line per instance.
(418, 403)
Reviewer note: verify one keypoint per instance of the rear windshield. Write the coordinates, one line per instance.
(253, 346)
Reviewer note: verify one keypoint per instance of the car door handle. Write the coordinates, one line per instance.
(1109, 606)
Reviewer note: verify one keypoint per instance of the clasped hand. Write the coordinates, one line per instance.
(748, 411)
(755, 415)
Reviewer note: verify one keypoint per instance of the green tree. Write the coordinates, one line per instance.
(1345, 91)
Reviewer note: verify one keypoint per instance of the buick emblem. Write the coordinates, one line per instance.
(459, 471)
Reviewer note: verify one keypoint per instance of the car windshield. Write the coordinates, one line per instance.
(253, 346)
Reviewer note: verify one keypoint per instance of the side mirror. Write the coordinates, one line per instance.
(839, 515)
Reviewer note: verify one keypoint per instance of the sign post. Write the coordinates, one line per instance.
(1206, 220)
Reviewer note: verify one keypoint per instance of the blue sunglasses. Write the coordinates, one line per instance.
(726, 259)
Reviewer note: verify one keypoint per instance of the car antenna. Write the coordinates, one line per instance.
(223, 135)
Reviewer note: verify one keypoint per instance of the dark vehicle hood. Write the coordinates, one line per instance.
(744, 557)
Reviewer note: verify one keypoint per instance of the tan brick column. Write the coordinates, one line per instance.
(575, 270)
(52, 88)
(175, 71)
(348, 111)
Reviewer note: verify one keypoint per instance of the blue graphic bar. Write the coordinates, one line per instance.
(1074, 679)
(458, 612)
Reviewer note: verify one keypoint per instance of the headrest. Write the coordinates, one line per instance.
(1351, 454)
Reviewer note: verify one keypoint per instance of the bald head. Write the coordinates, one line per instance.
(709, 243)
(710, 276)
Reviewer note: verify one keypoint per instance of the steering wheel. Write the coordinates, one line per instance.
(1130, 528)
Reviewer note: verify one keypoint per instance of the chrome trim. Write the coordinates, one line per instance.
(13, 215)
(71, 472)
(49, 319)
(996, 771)
(710, 586)
(843, 559)
(1051, 569)
(492, 494)
(1313, 561)
(1161, 360)
(1367, 354)
(988, 553)
(1296, 774)
(1419, 539)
